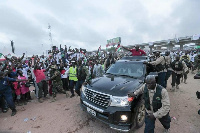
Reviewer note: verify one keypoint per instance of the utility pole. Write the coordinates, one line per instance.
(50, 35)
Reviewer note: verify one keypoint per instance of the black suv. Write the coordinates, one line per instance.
(106, 98)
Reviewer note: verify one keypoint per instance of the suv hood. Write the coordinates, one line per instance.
(115, 85)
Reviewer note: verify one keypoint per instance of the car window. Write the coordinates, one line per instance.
(132, 69)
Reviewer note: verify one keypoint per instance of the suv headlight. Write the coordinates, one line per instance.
(83, 88)
(119, 101)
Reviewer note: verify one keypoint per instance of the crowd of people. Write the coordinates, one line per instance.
(62, 72)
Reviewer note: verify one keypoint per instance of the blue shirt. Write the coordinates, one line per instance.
(4, 82)
(13, 74)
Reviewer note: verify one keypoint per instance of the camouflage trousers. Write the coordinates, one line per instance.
(57, 87)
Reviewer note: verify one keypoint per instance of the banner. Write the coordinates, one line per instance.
(113, 41)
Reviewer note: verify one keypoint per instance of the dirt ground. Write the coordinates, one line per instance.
(65, 115)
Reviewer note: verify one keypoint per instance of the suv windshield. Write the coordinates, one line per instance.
(130, 69)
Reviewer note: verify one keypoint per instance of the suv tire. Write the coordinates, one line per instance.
(138, 116)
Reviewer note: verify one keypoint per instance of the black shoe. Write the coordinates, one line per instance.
(72, 95)
(19, 104)
(14, 111)
(4, 110)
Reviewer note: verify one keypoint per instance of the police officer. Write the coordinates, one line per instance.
(72, 78)
(57, 82)
(6, 91)
(177, 67)
(157, 104)
(159, 64)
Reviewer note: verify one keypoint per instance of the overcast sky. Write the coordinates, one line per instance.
(89, 23)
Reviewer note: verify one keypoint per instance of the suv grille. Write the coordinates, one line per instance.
(97, 97)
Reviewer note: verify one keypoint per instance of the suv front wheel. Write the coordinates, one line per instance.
(138, 115)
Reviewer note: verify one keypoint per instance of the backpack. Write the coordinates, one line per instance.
(81, 74)
(187, 62)
(160, 67)
(177, 65)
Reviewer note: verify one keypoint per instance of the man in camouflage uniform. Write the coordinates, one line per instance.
(57, 82)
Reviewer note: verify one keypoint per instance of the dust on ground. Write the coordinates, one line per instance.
(66, 116)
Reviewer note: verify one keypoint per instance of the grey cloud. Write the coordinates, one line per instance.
(87, 24)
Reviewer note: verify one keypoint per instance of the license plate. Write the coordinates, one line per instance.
(91, 111)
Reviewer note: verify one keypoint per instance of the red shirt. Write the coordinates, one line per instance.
(63, 71)
(39, 74)
(137, 53)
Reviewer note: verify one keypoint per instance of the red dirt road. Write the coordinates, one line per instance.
(65, 115)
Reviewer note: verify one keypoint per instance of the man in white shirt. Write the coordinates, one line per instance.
(98, 69)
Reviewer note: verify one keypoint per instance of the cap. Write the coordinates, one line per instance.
(151, 79)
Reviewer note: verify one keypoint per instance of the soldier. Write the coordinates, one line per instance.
(177, 67)
(57, 82)
(157, 104)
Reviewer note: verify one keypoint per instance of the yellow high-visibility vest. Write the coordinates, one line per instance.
(72, 74)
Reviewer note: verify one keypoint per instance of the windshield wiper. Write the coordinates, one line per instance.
(128, 76)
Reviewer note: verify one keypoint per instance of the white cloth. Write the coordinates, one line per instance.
(65, 75)
(192, 58)
(98, 70)
(58, 56)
